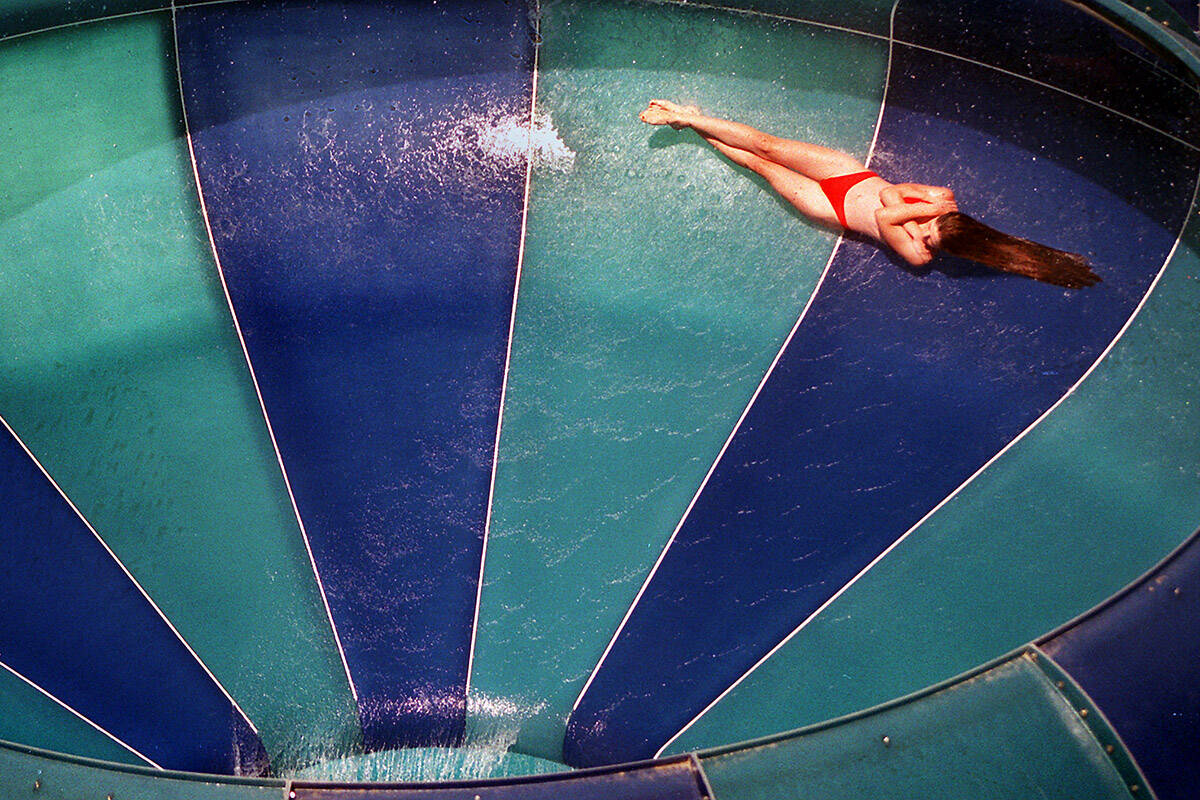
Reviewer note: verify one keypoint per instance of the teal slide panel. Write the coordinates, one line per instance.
(26, 772)
(124, 375)
(643, 327)
(1087, 501)
(1002, 734)
(18, 17)
(30, 717)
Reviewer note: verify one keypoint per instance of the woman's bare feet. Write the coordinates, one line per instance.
(664, 112)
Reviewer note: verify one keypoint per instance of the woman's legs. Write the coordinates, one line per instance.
(802, 192)
(811, 160)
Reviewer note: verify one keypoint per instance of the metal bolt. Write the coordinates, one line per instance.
(1083, 712)
(1108, 748)
(37, 784)
(887, 741)
(1059, 684)
(1135, 788)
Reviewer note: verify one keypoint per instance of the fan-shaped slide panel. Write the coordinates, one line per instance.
(658, 283)
(1011, 555)
(896, 387)
(30, 716)
(375, 377)
(79, 628)
(363, 168)
(124, 376)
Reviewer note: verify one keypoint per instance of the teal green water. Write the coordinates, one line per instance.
(28, 716)
(424, 764)
(659, 282)
(971, 583)
(123, 373)
(1005, 734)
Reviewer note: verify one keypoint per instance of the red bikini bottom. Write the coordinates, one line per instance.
(835, 189)
(838, 186)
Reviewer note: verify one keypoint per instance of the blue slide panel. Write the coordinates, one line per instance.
(897, 386)
(78, 627)
(1064, 46)
(363, 165)
(673, 779)
(1138, 658)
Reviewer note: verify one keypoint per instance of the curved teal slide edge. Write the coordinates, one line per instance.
(30, 714)
(874, 642)
(1007, 729)
(599, 452)
(9, 750)
(33, 772)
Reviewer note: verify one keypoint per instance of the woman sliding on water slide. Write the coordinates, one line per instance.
(832, 187)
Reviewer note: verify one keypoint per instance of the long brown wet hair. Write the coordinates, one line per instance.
(967, 237)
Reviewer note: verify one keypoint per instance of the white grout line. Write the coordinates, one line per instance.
(968, 481)
(750, 12)
(124, 569)
(890, 39)
(512, 321)
(77, 714)
(1054, 88)
(77, 23)
(737, 426)
(249, 366)
(887, 80)
(110, 17)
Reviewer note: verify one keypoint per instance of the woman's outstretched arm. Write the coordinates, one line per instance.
(810, 160)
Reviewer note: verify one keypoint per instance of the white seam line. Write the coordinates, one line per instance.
(124, 569)
(868, 34)
(110, 17)
(1052, 87)
(737, 426)
(1099, 360)
(887, 80)
(79, 22)
(750, 12)
(21, 677)
(246, 353)
(512, 321)
(729, 9)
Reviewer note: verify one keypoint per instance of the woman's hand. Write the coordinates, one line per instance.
(903, 228)
(900, 194)
(904, 218)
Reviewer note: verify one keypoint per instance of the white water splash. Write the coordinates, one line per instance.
(510, 138)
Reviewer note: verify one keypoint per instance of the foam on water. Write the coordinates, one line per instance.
(511, 137)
